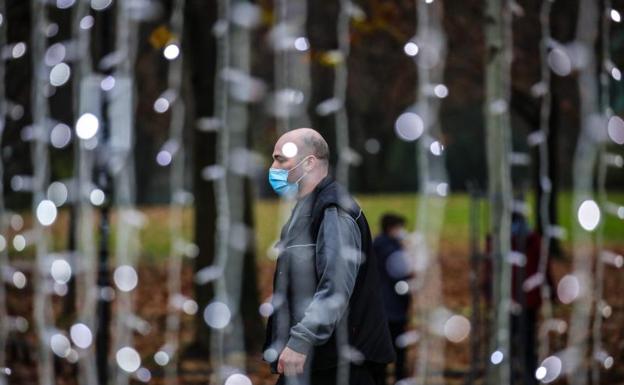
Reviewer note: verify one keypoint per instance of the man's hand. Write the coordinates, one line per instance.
(290, 362)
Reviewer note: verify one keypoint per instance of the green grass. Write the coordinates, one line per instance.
(155, 239)
(455, 231)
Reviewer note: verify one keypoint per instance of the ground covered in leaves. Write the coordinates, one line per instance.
(150, 300)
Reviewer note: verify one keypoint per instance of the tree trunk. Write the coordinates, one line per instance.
(200, 48)
(498, 137)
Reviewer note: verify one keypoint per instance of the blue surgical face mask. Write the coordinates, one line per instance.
(278, 178)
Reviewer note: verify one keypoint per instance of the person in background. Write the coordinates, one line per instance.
(525, 295)
(393, 269)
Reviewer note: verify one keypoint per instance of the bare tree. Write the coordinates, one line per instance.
(42, 307)
(4, 256)
(583, 169)
(498, 143)
(175, 148)
(433, 187)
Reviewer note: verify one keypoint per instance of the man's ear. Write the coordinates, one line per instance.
(310, 163)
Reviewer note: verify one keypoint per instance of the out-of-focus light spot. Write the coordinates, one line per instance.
(442, 189)
(302, 44)
(396, 264)
(266, 309)
(52, 30)
(61, 271)
(457, 328)
(246, 15)
(498, 106)
(608, 362)
(441, 91)
(19, 242)
(372, 146)
(87, 22)
(87, 126)
(496, 357)
(64, 4)
(171, 51)
(286, 102)
(618, 261)
(81, 335)
(60, 289)
(290, 150)
(401, 288)
(97, 197)
(161, 358)
(20, 324)
(60, 135)
(46, 212)
(16, 222)
(270, 355)
(217, 315)
(436, 148)
(91, 144)
(549, 370)
(19, 49)
(161, 105)
(164, 158)
(108, 83)
(568, 289)
(125, 278)
(19, 280)
(409, 126)
(615, 129)
(559, 61)
(329, 106)
(588, 215)
(213, 172)
(616, 73)
(540, 373)
(615, 16)
(238, 379)
(191, 250)
(3, 243)
(128, 359)
(606, 311)
(143, 375)
(16, 112)
(55, 54)
(428, 1)
(190, 307)
(57, 193)
(100, 5)
(410, 48)
(60, 345)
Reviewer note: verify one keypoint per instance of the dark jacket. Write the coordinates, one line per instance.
(392, 268)
(365, 320)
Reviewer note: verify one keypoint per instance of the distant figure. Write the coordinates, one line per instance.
(527, 299)
(525, 295)
(393, 268)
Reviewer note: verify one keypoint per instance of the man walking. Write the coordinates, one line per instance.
(328, 324)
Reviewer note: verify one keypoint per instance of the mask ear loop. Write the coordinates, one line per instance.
(298, 164)
(304, 173)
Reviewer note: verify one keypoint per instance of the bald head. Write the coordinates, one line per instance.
(305, 154)
(308, 142)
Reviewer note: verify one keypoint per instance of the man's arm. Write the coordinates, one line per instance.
(338, 256)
